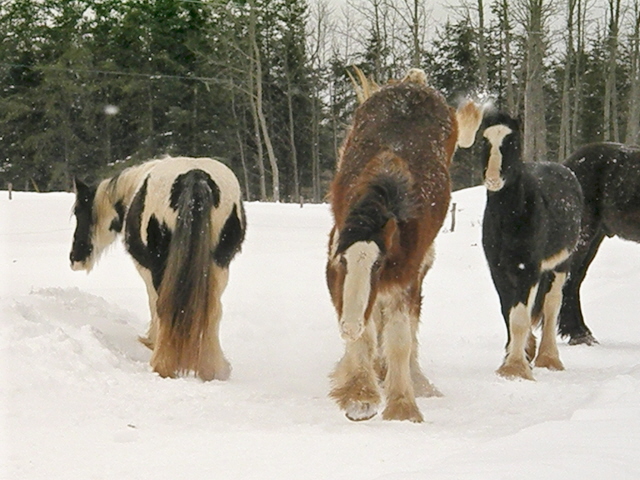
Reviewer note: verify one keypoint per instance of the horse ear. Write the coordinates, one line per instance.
(79, 186)
(390, 234)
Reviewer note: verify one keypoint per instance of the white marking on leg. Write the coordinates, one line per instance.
(360, 258)
(515, 364)
(493, 176)
(398, 343)
(548, 352)
(355, 385)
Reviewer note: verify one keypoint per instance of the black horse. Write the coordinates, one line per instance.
(610, 177)
(530, 228)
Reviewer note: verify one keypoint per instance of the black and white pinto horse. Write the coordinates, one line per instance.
(530, 228)
(183, 222)
(609, 174)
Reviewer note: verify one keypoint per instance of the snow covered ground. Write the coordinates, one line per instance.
(79, 400)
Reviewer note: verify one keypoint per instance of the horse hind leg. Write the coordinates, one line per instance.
(548, 356)
(355, 386)
(571, 318)
(150, 339)
(212, 364)
(165, 359)
(422, 387)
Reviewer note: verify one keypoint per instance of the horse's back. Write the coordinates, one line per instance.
(413, 121)
(561, 201)
(164, 181)
(609, 174)
(405, 130)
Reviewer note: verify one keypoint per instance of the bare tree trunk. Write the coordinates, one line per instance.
(535, 129)
(318, 57)
(565, 146)
(610, 91)
(259, 107)
(633, 119)
(482, 55)
(577, 80)
(256, 131)
(413, 14)
(292, 140)
(275, 173)
(505, 27)
(243, 157)
(315, 147)
(194, 120)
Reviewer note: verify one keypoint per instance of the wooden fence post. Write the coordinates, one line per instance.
(453, 217)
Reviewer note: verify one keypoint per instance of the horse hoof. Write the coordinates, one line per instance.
(361, 411)
(552, 363)
(351, 331)
(218, 370)
(515, 370)
(402, 410)
(583, 339)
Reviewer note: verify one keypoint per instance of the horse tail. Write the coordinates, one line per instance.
(186, 295)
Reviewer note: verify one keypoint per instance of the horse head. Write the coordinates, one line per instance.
(98, 221)
(501, 150)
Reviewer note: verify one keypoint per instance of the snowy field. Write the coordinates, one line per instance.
(79, 400)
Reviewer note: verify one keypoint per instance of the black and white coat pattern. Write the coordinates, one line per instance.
(530, 229)
(183, 222)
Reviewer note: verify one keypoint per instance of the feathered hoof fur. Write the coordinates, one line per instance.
(583, 339)
(402, 409)
(361, 411)
(146, 341)
(218, 369)
(422, 387)
(530, 349)
(550, 362)
(359, 398)
(515, 370)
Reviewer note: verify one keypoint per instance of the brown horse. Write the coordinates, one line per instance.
(389, 198)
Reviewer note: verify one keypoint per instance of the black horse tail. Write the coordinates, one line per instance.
(186, 295)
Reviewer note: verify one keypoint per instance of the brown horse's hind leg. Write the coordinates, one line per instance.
(401, 404)
(422, 387)
(355, 387)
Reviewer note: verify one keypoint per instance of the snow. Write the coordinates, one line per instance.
(79, 400)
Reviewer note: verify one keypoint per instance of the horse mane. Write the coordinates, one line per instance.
(115, 194)
(497, 117)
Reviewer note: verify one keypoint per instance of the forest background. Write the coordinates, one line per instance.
(90, 86)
